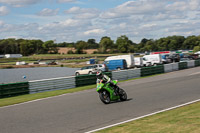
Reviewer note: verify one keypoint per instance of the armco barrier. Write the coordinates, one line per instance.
(120, 75)
(146, 71)
(175, 67)
(14, 89)
(168, 68)
(88, 79)
(134, 73)
(190, 63)
(51, 84)
(126, 74)
(182, 65)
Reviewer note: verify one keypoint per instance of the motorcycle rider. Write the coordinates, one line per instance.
(105, 79)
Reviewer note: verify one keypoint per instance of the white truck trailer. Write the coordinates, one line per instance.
(138, 61)
(129, 59)
(149, 60)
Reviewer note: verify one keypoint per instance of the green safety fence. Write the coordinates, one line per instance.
(197, 63)
(182, 65)
(146, 71)
(14, 89)
(88, 79)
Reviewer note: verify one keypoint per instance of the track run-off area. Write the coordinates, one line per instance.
(83, 111)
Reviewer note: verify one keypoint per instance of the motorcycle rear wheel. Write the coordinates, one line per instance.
(105, 97)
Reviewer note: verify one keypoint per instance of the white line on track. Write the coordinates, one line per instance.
(144, 116)
(195, 73)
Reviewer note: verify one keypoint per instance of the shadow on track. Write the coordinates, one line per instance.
(119, 101)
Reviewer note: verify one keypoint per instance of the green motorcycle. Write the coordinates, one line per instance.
(107, 93)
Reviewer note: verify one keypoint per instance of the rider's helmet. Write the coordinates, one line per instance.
(99, 75)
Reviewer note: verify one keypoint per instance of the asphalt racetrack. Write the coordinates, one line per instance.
(83, 111)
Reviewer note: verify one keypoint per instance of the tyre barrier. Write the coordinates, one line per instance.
(197, 63)
(14, 89)
(146, 71)
(182, 65)
(82, 80)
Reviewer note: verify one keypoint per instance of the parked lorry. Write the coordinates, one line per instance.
(13, 55)
(128, 58)
(149, 60)
(116, 64)
(138, 61)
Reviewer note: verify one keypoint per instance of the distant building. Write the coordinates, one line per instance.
(64, 50)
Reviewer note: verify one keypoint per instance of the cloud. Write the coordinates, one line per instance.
(19, 3)
(48, 12)
(4, 10)
(187, 5)
(94, 31)
(129, 8)
(1, 23)
(137, 19)
(66, 1)
(83, 13)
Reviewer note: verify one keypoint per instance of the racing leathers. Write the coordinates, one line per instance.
(106, 79)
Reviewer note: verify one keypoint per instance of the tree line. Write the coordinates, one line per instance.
(106, 45)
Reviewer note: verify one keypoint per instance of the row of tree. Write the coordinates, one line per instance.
(124, 45)
(27, 47)
(106, 45)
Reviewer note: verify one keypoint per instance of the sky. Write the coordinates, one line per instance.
(75, 20)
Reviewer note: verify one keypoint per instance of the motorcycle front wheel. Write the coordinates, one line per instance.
(122, 94)
(105, 97)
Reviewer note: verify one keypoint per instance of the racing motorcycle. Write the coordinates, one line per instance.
(107, 93)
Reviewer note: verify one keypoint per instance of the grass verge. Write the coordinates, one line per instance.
(181, 120)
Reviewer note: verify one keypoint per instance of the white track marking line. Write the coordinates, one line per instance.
(143, 116)
(195, 73)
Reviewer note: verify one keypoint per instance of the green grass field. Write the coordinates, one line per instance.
(181, 120)
(73, 62)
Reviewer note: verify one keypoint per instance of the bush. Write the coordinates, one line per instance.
(70, 52)
(95, 52)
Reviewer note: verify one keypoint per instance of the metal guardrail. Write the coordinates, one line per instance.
(35, 86)
(190, 63)
(126, 74)
(52, 84)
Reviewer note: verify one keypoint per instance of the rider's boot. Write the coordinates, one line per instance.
(116, 90)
